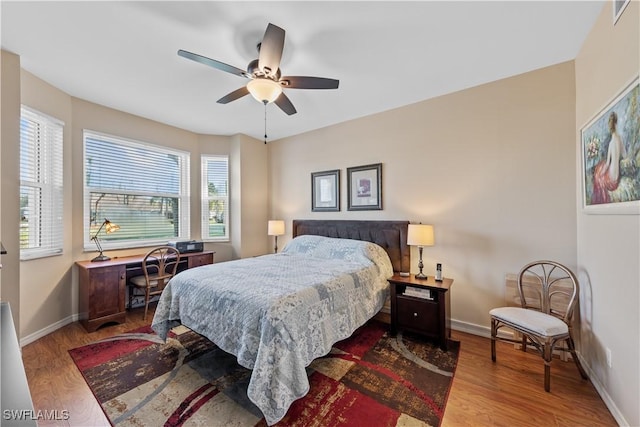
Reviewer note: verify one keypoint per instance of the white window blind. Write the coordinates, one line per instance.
(41, 225)
(143, 188)
(215, 198)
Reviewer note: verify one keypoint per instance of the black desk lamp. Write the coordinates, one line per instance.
(109, 227)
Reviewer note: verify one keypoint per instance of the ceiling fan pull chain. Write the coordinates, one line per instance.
(265, 122)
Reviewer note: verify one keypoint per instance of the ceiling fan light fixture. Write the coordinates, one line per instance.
(264, 89)
(266, 83)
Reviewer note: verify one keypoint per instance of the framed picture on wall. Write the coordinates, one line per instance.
(618, 8)
(610, 145)
(325, 191)
(365, 187)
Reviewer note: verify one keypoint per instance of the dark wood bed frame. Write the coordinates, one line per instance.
(391, 235)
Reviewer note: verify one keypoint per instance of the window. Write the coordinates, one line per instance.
(41, 230)
(215, 198)
(143, 188)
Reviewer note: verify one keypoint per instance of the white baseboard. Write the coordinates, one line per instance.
(46, 331)
(609, 403)
(137, 302)
(471, 328)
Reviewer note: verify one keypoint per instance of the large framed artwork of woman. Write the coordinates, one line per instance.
(611, 156)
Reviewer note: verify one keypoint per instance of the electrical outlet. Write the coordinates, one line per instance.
(137, 302)
(608, 357)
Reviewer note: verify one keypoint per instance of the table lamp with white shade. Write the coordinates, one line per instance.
(275, 228)
(420, 235)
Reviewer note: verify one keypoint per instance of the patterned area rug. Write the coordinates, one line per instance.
(369, 379)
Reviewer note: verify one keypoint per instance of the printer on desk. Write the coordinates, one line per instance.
(187, 246)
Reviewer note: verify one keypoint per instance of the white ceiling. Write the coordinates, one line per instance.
(385, 54)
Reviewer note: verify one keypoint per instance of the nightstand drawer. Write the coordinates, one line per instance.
(418, 314)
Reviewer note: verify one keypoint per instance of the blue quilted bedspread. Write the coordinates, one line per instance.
(277, 313)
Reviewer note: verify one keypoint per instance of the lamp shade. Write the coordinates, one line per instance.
(110, 227)
(420, 235)
(264, 89)
(275, 228)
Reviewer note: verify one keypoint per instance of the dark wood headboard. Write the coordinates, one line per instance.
(391, 235)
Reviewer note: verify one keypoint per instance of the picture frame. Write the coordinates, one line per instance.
(618, 8)
(610, 152)
(325, 191)
(365, 187)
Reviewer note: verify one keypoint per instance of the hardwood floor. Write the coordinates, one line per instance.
(511, 392)
(507, 393)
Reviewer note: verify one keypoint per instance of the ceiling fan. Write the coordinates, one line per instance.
(266, 80)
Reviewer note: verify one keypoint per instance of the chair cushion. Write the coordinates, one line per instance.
(141, 281)
(532, 321)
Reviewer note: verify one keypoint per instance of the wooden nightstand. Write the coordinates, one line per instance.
(429, 317)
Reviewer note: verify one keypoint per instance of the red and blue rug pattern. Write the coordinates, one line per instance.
(369, 379)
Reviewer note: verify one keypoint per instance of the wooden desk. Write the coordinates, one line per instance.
(103, 285)
(429, 317)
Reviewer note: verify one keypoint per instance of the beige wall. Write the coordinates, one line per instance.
(10, 182)
(609, 245)
(45, 284)
(253, 203)
(492, 168)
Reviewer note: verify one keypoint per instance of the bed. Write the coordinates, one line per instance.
(277, 313)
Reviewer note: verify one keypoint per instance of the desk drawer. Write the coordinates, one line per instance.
(198, 260)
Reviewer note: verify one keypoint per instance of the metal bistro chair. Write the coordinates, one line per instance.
(548, 294)
(159, 266)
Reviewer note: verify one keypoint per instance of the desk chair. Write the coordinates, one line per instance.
(159, 266)
(548, 294)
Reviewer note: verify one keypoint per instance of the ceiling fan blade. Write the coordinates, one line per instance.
(238, 93)
(285, 104)
(303, 82)
(213, 63)
(271, 49)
